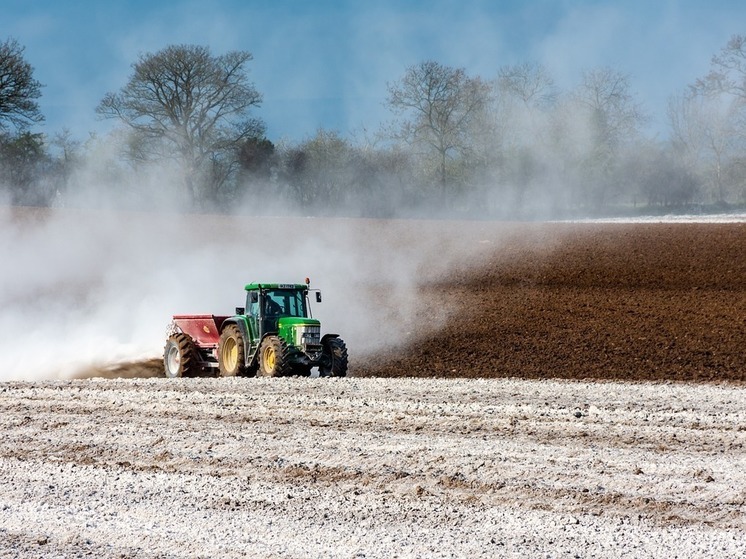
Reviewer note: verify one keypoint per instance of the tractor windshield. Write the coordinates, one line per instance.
(285, 302)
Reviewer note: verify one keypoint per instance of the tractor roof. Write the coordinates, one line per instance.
(252, 286)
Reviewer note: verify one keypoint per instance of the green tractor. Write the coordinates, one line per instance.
(273, 335)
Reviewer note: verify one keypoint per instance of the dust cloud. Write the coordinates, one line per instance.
(89, 288)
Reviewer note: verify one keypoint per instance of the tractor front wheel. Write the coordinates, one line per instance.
(231, 352)
(333, 358)
(273, 357)
(179, 359)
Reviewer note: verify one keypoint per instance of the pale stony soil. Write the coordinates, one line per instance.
(364, 467)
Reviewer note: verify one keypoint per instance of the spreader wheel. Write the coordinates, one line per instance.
(333, 358)
(231, 352)
(273, 357)
(179, 356)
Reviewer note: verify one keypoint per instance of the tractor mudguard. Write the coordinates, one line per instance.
(328, 336)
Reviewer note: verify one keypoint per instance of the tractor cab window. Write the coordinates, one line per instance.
(273, 305)
(284, 302)
(252, 306)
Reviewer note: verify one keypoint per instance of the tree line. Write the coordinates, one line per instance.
(514, 146)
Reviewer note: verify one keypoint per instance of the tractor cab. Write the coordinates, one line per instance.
(281, 310)
(268, 304)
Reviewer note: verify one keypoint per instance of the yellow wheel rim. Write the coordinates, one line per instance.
(269, 359)
(230, 354)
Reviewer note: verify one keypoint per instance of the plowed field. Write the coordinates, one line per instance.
(631, 302)
(573, 301)
(553, 390)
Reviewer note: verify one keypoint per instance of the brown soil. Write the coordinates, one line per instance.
(574, 301)
(627, 301)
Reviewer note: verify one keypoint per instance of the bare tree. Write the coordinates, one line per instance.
(660, 176)
(439, 105)
(323, 176)
(708, 135)
(18, 88)
(530, 82)
(614, 113)
(68, 158)
(184, 103)
(523, 103)
(612, 117)
(722, 95)
(727, 71)
(686, 125)
(23, 162)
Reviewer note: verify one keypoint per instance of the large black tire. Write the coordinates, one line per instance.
(231, 352)
(180, 356)
(273, 360)
(334, 358)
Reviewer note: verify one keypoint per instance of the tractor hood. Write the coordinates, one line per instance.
(302, 333)
(299, 331)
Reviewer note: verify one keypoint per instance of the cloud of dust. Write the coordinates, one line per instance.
(95, 286)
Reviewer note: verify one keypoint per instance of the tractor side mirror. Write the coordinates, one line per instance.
(240, 310)
(318, 296)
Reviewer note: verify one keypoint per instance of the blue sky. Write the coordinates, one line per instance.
(326, 63)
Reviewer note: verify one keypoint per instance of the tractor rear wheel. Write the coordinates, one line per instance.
(273, 357)
(333, 358)
(231, 352)
(179, 356)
